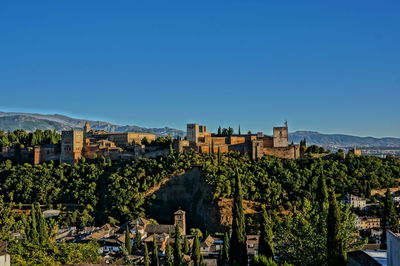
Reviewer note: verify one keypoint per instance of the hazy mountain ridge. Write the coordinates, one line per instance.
(342, 140)
(10, 121)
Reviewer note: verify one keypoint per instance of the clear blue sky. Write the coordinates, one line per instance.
(328, 66)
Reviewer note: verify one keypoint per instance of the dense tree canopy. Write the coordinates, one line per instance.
(275, 181)
(99, 188)
(293, 191)
(22, 137)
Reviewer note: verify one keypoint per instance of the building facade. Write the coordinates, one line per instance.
(355, 201)
(71, 146)
(180, 220)
(256, 145)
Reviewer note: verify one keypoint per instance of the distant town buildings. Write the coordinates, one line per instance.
(111, 239)
(366, 223)
(355, 201)
(257, 145)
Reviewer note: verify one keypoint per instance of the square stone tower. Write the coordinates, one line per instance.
(196, 131)
(180, 220)
(281, 136)
(71, 146)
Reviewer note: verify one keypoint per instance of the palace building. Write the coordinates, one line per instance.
(257, 145)
(89, 143)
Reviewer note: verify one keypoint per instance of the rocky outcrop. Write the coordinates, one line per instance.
(190, 193)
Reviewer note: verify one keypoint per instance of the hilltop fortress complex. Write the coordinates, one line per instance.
(257, 145)
(88, 143)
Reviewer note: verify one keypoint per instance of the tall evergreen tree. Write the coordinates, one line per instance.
(196, 256)
(225, 250)
(219, 155)
(335, 249)
(239, 131)
(389, 218)
(33, 232)
(238, 250)
(186, 245)
(322, 196)
(128, 243)
(177, 247)
(138, 238)
(219, 131)
(154, 259)
(146, 255)
(42, 228)
(266, 245)
(390, 213)
(230, 131)
(367, 189)
(169, 259)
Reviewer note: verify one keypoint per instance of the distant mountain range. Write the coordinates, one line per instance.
(341, 140)
(10, 121)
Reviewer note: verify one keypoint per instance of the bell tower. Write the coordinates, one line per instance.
(86, 130)
(180, 220)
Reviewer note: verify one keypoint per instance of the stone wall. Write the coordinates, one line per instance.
(291, 152)
(268, 142)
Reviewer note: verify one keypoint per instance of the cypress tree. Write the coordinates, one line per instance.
(389, 218)
(196, 257)
(128, 243)
(266, 245)
(146, 255)
(225, 250)
(335, 250)
(34, 235)
(154, 260)
(390, 213)
(177, 247)
(169, 260)
(322, 196)
(219, 155)
(171, 149)
(41, 225)
(238, 249)
(367, 189)
(27, 228)
(239, 131)
(219, 131)
(138, 238)
(185, 245)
